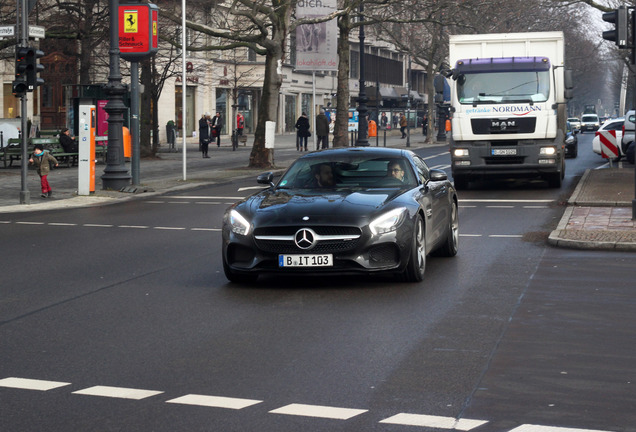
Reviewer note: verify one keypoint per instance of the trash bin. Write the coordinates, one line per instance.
(373, 128)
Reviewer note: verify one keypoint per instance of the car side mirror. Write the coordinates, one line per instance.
(438, 175)
(266, 178)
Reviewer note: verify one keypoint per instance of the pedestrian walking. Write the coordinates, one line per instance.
(204, 134)
(396, 119)
(425, 126)
(240, 124)
(302, 132)
(217, 125)
(43, 161)
(384, 121)
(322, 130)
(403, 125)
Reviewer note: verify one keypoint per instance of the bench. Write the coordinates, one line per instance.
(13, 151)
(55, 148)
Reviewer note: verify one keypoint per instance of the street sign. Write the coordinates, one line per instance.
(7, 31)
(37, 32)
(609, 146)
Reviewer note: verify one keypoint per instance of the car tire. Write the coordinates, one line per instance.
(416, 267)
(451, 244)
(238, 277)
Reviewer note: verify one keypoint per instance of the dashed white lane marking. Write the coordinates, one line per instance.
(505, 235)
(168, 228)
(241, 189)
(30, 223)
(446, 153)
(203, 197)
(538, 428)
(214, 401)
(98, 225)
(118, 392)
(319, 411)
(434, 421)
(61, 224)
(506, 200)
(206, 229)
(133, 226)
(31, 384)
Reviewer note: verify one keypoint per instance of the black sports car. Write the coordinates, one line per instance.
(344, 210)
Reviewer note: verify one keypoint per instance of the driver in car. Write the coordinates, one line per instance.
(396, 170)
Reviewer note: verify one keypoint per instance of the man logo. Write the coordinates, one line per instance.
(305, 238)
(502, 124)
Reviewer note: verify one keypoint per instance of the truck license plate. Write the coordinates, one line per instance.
(324, 260)
(504, 152)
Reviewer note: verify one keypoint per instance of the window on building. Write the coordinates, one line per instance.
(354, 64)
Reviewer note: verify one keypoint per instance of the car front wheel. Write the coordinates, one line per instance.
(414, 271)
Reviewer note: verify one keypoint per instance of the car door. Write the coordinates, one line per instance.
(435, 204)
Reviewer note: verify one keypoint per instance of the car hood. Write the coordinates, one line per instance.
(341, 206)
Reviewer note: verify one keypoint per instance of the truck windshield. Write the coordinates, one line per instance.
(504, 87)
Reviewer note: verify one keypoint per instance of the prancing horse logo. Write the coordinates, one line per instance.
(305, 238)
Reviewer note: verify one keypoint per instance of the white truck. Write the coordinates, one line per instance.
(508, 106)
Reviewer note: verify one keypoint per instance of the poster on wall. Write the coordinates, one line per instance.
(316, 44)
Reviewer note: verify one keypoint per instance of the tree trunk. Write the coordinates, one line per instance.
(340, 130)
(145, 109)
(261, 157)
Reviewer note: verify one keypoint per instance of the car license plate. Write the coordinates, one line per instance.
(325, 260)
(504, 152)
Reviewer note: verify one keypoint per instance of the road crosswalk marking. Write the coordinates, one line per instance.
(319, 411)
(434, 421)
(31, 384)
(214, 401)
(118, 392)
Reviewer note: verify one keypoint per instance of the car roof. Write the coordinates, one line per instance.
(334, 152)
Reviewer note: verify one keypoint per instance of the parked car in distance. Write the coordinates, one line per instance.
(610, 125)
(575, 124)
(590, 122)
(571, 142)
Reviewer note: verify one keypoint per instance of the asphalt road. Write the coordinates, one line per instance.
(120, 318)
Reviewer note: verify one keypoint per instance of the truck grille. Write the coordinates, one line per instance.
(495, 126)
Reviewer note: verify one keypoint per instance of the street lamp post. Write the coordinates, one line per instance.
(408, 105)
(363, 125)
(115, 176)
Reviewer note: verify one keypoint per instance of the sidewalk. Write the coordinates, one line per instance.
(598, 215)
(163, 174)
(599, 212)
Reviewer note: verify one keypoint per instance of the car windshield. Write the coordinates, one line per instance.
(590, 119)
(504, 87)
(354, 171)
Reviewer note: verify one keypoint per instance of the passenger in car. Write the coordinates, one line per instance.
(323, 176)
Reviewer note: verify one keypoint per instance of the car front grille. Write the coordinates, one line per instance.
(281, 239)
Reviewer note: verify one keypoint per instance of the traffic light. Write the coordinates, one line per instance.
(620, 18)
(34, 68)
(19, 85)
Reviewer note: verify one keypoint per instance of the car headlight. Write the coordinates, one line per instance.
(238, 224)
(388, 221)
(547, 151)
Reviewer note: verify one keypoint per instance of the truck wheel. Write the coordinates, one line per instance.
(630, 153)
(554, 180)
(461, 183)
